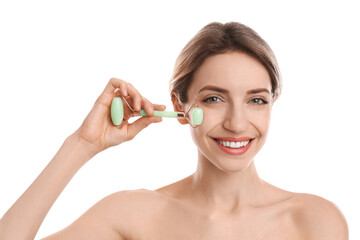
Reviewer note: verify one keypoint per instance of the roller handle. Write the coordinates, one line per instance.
(167, 114)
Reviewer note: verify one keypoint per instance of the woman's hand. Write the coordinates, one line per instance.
(98, 129)
(97, 132)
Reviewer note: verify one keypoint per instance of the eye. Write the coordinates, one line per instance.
(259, 101)
(212, 99)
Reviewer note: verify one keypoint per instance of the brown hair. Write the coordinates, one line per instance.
(216, 38)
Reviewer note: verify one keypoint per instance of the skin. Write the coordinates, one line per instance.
(223, 199)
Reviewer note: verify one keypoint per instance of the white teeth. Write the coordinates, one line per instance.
(234, 144)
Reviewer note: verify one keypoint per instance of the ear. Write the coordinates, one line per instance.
(275, 98)
(178, 107)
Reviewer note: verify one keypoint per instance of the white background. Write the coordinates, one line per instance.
(57, 56)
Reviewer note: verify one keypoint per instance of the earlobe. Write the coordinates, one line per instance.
(182, 121)
(178, 107)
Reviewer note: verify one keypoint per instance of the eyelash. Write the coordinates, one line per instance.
(261, 99)
(264, 102)
(206, 100)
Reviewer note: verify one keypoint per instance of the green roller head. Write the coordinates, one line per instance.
(117, 111)
(197, 116)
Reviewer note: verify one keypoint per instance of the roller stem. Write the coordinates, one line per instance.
(166, 114)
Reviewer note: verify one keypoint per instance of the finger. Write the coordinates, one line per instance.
(135, 95)
(123, 88)
(108, 93)
(148, 106)
(121, 91)
(141, 123)
(159, 107)
(113, 84)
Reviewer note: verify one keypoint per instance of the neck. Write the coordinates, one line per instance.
(226, 191)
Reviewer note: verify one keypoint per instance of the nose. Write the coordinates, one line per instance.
(236, 119)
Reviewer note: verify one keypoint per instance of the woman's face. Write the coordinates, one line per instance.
(234, 91)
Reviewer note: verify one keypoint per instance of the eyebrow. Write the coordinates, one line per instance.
(258, 90)
(214, 88)
(221, 90)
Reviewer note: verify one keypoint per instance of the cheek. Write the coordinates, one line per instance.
(261, 120)
(212, 118)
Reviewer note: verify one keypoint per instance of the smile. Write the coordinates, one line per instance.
(233, 146)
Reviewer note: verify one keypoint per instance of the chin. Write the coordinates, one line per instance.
(226, 164)
(232, 165)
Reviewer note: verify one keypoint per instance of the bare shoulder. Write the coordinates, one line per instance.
(138, 199)
(319, 218)
(133, 210)
(117, 216)
(133, 197)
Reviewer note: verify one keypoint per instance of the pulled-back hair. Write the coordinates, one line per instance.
(216, 38)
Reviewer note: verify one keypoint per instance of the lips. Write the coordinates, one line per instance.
(233, 146)
(232, 139)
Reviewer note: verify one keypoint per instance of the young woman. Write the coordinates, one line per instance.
(231, 73)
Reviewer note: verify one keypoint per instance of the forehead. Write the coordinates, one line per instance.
(234, 71)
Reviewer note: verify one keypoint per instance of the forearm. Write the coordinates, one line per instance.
(24, 218)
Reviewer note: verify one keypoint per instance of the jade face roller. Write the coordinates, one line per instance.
(194, 115)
